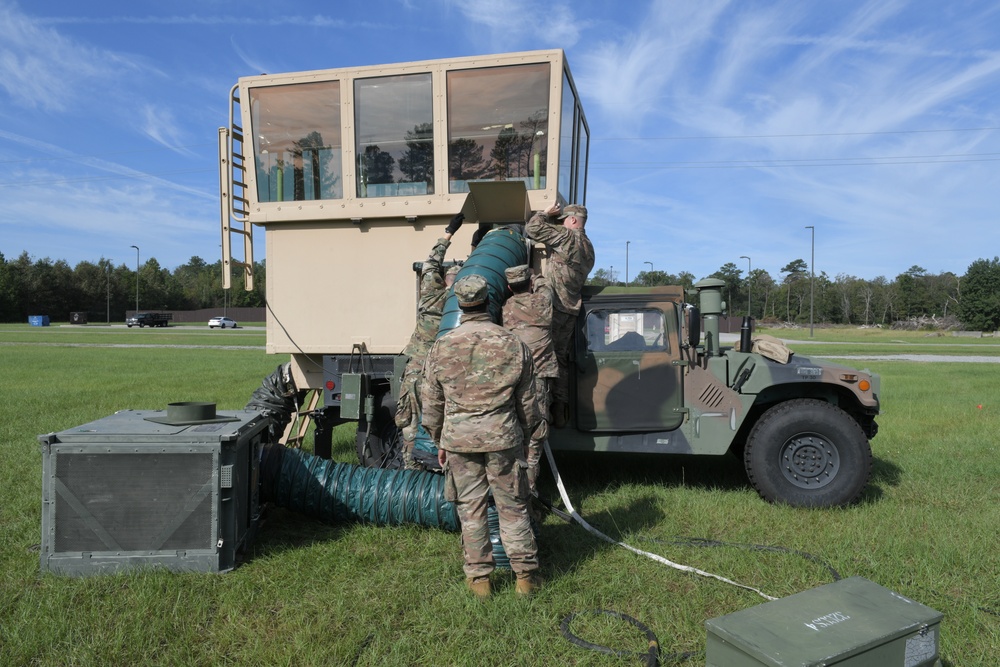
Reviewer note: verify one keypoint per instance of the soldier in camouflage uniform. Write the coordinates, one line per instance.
(433, 291)
(528, 313)
(480, 408)
(570, 262)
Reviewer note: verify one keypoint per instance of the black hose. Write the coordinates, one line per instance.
(702, 542)
(651, 657)
(277, 398)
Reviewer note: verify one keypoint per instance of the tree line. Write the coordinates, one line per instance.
(915, 296)
(106, 292)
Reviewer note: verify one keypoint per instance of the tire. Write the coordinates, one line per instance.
(222, 326)
(808, 453)
(380, 444)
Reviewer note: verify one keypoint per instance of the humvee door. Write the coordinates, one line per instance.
(626, 380)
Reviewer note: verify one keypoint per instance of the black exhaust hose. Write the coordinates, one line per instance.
(746, 334)
(277, 398)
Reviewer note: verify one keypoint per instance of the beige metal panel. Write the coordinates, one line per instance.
(333, 284)
(440, 65)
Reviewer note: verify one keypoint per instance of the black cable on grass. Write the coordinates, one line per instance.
(361, 649)
(650, 657)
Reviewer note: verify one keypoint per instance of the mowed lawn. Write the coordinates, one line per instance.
(316, 594)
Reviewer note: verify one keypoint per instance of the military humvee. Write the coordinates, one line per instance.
(353, 174)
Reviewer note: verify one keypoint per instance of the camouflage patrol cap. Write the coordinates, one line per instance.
(574, 209)
(452, 270)
(471, 291)
(517, 274)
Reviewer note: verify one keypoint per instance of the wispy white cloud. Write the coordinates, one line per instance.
(40, 68)
(99, 165)
(512, 24)
(159, 124)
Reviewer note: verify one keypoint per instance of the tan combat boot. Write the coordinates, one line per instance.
(480, 587)
(528, 586)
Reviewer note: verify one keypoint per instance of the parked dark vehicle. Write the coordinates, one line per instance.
(149, 320)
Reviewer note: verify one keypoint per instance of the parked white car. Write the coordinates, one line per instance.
(221, 322)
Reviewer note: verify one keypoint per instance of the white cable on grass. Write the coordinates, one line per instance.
(659, 559)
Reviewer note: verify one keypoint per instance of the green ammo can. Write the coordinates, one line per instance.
(849, 623)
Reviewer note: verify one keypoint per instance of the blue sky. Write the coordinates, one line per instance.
(719, 129)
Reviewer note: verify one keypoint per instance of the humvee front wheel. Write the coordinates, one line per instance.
(807, 453)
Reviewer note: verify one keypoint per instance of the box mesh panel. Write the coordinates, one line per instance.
(133, 501)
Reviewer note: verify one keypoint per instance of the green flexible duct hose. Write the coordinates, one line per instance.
(500, 249)
(340, 493)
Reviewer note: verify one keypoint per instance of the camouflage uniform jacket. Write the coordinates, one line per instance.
(570, 262)
(529, 315)
(478, 393)
(432, 297)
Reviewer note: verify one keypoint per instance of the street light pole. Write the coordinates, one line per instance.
(136, 279)
(650, 271)
(626, 262)
(812, 276)
(107, 273)
(747, 258)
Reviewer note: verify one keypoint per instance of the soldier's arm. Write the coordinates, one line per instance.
(545, 229)
(433, 262)
(525, 397)
(432, 399)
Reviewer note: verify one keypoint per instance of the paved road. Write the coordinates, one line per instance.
(975, 359)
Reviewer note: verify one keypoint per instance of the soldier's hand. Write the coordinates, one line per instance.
(455, 224)
(553, 211)
(442, 457)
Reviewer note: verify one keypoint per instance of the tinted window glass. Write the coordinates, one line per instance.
(297, 141)
(638, 330)
(498, 125)
(395, 136)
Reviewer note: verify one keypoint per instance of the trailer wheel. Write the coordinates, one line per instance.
(379, 444)
(808, 453)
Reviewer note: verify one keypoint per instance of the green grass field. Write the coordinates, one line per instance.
(316, 594)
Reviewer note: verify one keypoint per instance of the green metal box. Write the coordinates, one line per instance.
(353, 391)
(137, 489)
(849, 623)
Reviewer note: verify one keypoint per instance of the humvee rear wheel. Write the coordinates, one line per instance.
(808, 453)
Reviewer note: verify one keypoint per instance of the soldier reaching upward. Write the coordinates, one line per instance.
(433, 291)
(570, 262)
(480, 408)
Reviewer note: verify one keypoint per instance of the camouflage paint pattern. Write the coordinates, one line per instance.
(680, 401)
(471, 477)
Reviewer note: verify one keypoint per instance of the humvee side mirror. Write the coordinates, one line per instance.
(693, 325)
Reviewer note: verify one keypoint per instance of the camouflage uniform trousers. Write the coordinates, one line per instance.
(563, 325)
(407, 417)
(470, 476)
(543, 387)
